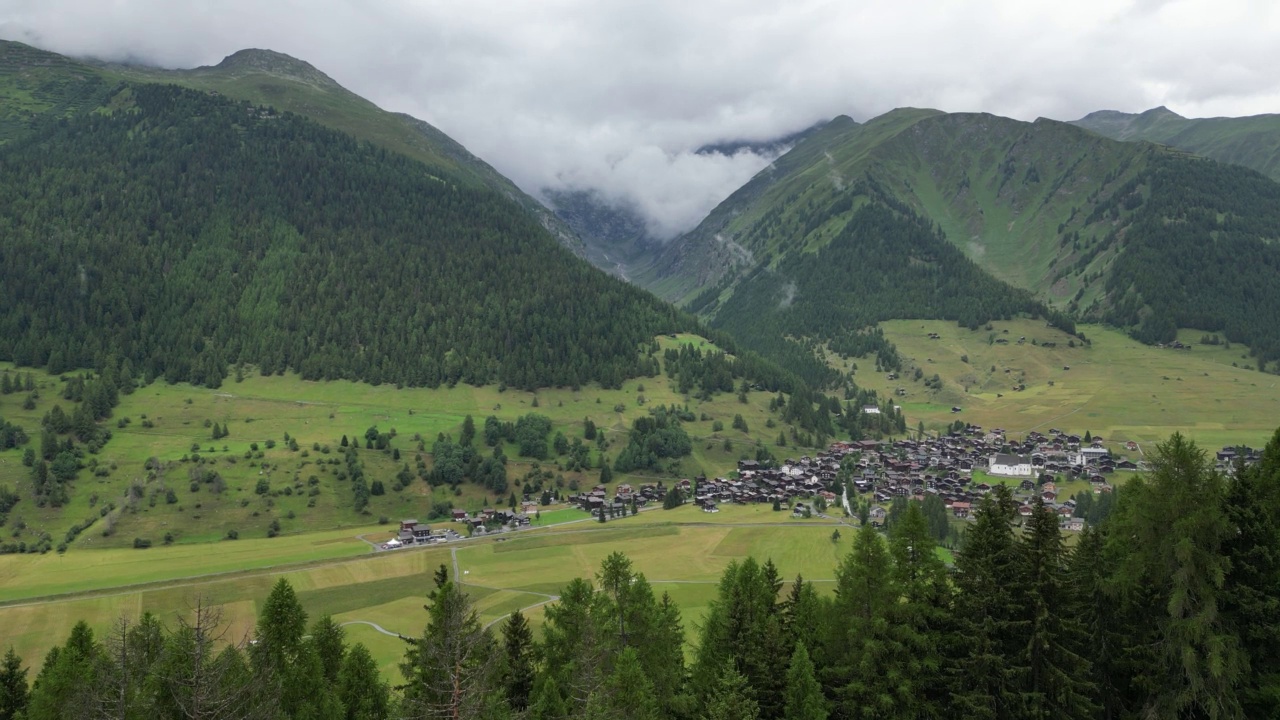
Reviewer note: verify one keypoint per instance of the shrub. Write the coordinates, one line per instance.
(233, 535)
(141, 543)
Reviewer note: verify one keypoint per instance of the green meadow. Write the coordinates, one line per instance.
(1114, 387)
(679, 551)
(305, 493)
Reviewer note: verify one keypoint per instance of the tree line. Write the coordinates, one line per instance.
(1169, 608)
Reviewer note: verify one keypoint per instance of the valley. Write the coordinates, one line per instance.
(250, 322)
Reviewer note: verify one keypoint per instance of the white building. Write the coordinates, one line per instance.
(1014, 465)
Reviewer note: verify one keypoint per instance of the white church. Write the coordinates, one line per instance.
(1013, 465)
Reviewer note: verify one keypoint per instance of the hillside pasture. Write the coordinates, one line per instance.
(305, 490)
(1115, 387)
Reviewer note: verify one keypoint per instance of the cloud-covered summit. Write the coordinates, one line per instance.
(618, 97)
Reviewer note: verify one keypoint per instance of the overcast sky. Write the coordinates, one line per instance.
(614, 95)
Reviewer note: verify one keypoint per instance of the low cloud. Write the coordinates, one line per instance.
(617, 97)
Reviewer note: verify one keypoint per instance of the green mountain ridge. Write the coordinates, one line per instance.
(1253, 141)
(271, 239)
(1046, 207)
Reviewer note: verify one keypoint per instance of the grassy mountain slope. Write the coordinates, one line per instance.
(1253, 142)
(998, 188)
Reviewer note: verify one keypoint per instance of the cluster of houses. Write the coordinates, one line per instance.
(413, 532)
(941, 466)
(487, 521)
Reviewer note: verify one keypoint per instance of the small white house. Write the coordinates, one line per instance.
(1010, 465)
(870, 410)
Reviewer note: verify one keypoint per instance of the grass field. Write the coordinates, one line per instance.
(1116, 387)
(318, 414)
(681, 551)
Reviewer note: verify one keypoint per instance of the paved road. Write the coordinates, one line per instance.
(375, 626)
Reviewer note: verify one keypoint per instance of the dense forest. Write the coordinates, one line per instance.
(1170, 608)
(886, 263)
(1200, 253)
(186, 233)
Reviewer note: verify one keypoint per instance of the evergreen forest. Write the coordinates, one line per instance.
(1169, 608)
(186, 233)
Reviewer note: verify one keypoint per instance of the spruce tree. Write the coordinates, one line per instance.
(731, 697)
(1056, 683)
(451, 671)
(13, 680)
(985, 643)
(1251, 590)
(1169, 530)
(1091, 604)
(361, 689)
(625, 694)
(804, 693)
(518, 671)
(548, 703)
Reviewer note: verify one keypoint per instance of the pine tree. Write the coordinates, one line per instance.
(1169, 529)
(985, 646)
(731, 698)
(625, 694)
(804, 693)
(13, 680)
(451, 671)
(1251, 590)
(361, 689)
(1055, 684)
(547, 703)
(330, 642)
(518, 670)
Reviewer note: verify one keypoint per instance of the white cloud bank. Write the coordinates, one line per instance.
(615, 96)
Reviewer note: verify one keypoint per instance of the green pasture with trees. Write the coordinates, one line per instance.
(1169, 608)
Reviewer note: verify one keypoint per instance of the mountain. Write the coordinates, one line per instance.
(1253, 142)
(268, 78)
(615, 237)
(186, 230)
(970, 217)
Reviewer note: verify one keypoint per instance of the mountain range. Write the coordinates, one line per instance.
(255, 212)
(1151, 222)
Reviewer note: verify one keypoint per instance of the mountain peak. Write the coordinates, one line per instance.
(1161, 112)
(270, 62)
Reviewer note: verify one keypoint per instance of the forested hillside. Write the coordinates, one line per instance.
(186, 233)
(1169, 608)
(1146, 238)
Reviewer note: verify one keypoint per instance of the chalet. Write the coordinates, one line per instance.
(961, 509)
(1074, 524)
(459, 516)
(710, 507)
